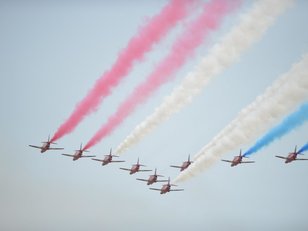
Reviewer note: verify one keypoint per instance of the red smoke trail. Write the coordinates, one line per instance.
(141, 43)
(210, 18)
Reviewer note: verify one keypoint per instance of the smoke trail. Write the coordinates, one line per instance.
(212, 14)
(291, 122)
(252, 26)
(285, 94)
(304, 148)
(141, 43)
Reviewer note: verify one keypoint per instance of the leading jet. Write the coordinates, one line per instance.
(46, 146)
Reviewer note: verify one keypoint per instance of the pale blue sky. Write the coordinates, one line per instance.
(50, 56)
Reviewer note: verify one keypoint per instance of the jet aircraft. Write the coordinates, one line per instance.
(238, 160)
(167, 188)
(46, 146)
(184, 165)
(78, 154)
(292, 156)
(153, 179)
(108, 159)
(135, 168)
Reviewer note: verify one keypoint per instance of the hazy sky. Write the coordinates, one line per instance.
(50, 56)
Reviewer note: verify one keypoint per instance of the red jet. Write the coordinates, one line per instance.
(78, 154)
(292, 156)
(46, 146)
(108, 159)
(153, 179)
(167, 188)
(238, 160)
(184, 165)
(135, 168)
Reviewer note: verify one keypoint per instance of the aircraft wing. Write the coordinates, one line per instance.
(145, 171)
(33, 146)
(155, 189)
(301, 159)
(142, 179)
(68, 155)
(56, 148)
(173, 166)
(86, 156)
(97, 160)
(117, 161)
(247, 162)
(281, 157)
(126, 169)
(229, 161)
(162, 181)
(176, 189)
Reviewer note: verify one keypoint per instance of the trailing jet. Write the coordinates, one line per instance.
(238, 160)
(135, 168)
(292, 156)
(108, 159)
(46, 146)
(167, 188)
(78, 154)
(153, 179)
(184, 165)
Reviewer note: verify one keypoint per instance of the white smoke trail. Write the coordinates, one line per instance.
(278, 100)
(250, 29)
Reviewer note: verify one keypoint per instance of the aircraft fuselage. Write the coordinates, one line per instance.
(291, 157)
(134, 169)
(185, 165)
(45, 147)
(152, 179)
(77, 155)
(165, 189)
(107, 160)
(237, 160)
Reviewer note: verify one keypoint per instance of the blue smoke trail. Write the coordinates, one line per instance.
(304, 148)
(291, 122)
